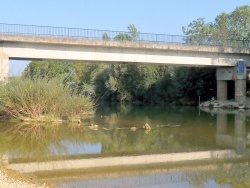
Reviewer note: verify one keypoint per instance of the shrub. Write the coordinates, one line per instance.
(42, 98)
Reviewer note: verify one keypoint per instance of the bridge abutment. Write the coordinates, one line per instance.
(4, 67)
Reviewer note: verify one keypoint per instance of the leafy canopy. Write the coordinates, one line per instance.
(226, 26)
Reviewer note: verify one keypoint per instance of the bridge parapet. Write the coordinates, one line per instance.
(107, 35)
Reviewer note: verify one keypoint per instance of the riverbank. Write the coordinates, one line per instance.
(228, 104)
(12, 179)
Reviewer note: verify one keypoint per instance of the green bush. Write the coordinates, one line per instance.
(41, 98)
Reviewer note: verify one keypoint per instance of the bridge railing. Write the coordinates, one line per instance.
(63, 32)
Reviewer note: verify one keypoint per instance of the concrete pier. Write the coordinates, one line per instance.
(238, 75)
(221, 90)
(240, 91)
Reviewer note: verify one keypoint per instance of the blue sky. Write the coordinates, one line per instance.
(149, 16)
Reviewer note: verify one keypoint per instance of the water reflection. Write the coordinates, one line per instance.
(236, 139)
(39, 142)
(115, 139)
(176, 135)
(213, 175)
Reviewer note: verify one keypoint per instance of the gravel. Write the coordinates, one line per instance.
(17, 182)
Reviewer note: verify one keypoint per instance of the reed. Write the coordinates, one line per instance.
(42, 99)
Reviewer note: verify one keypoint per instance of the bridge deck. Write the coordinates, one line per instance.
(77, 49)
(120, 44)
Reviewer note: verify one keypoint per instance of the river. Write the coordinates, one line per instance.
(185, 147)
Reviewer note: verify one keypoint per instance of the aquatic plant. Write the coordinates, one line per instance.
(42, 99)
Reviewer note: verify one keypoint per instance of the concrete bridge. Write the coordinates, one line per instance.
(20, 42)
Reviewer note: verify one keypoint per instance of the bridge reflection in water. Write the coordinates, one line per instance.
(123, 161)
(238, 140)
(149, 168)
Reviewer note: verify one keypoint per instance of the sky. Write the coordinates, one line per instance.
(149, 16)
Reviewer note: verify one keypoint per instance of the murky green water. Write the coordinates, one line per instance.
(185, 147)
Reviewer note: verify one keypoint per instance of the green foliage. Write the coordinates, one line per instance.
(41, 97)
(239, 23)
(129, 82)
(126, 82)
(198, 31)
(48, 69)
(189, 83)
(123, 37)
(132, 35)
(133, 31)
(234, 25)
(105, 37)
(226, 27)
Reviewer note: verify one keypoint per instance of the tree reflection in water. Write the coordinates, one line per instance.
(40, 141)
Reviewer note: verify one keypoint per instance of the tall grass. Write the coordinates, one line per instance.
(41, 98)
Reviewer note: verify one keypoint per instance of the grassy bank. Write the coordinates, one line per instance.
(42, 99)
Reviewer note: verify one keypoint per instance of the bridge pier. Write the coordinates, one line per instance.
(240, 91)
(4, 67)
(221, 90)
(238, 75)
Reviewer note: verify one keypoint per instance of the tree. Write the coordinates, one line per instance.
(220, 27)
(133, 32)
(123, 37)
(198, 31)
(227, 30)
(239, 23)
(105, 36)
(48, 69)
(189, 83)
(226, 27)
(132, 35)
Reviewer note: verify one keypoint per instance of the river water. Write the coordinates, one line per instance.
(185, 147)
